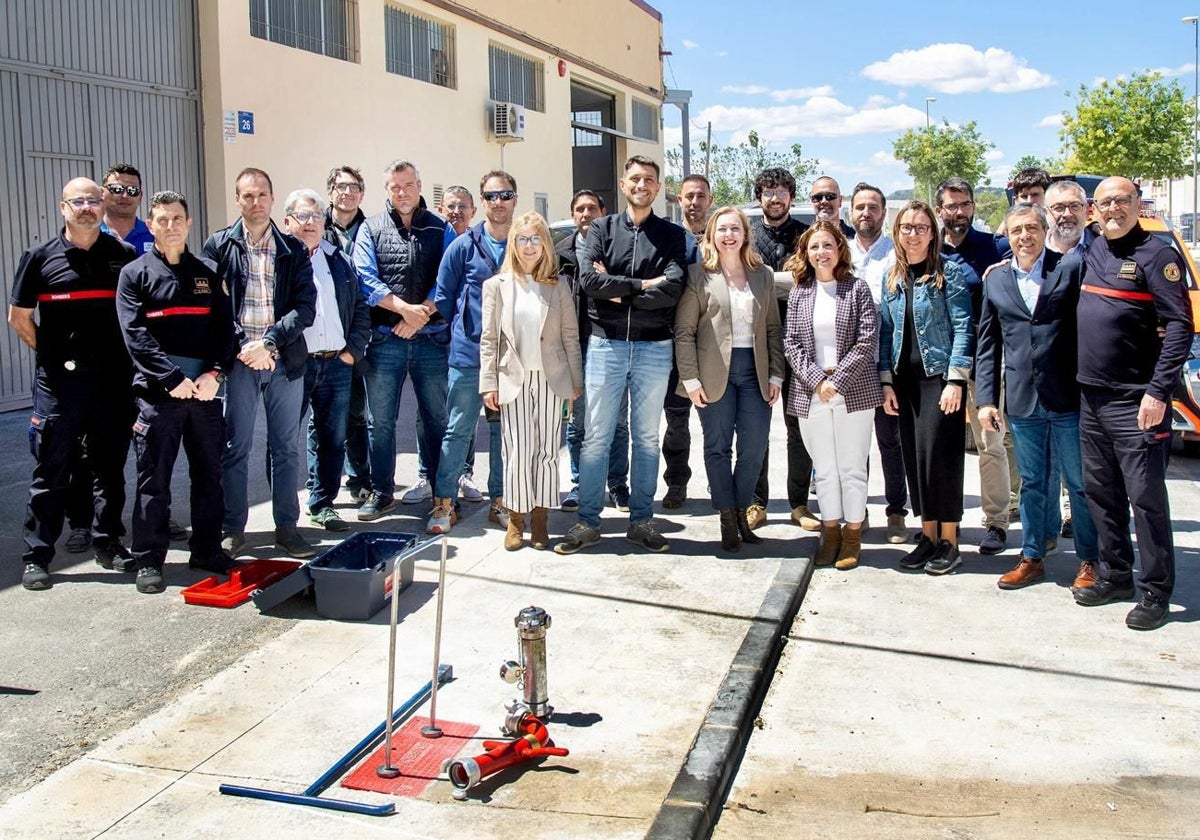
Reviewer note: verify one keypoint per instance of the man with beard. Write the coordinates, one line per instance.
(774, 237)
(977, 250)
(81, 393)
(873, 255)
(826, 198)
(1066, 204)
(695, 200)
(633, 271)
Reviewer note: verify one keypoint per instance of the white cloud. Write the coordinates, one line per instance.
(721, 53)
(884, 159)
(689, 45)
(877, 101)
(993, 154)
(801, 93)
(672, 136)
(958, 68)
(1181, 70)
(748, 90)
(820, 116)
(1050, 121)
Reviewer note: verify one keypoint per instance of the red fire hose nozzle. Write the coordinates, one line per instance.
(465, 773)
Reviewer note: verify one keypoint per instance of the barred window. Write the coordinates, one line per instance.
(645, 121)
(515, 78)
(325, 27)
(581, 138)
(419, 48)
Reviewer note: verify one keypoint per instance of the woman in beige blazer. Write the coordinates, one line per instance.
(729, 352)
(530, 364)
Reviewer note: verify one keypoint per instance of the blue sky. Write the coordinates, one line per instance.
(845, 79)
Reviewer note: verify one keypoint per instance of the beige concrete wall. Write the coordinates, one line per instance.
(312, 112)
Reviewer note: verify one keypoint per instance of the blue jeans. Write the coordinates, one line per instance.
(615, 369)
(1045, 443)
(284, 403)
(618, 453)
(392, 359)
(463, 404)
(327, 402)
(741, 410)
(358, 426)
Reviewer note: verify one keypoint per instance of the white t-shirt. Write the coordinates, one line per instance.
(527, 318)
(741, 313)
(825, 324)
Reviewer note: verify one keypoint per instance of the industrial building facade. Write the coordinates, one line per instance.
(557, 92)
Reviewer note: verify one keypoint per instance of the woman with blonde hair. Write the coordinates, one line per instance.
(832, 343)
(925, 339)
(731, 366)
(530, 363)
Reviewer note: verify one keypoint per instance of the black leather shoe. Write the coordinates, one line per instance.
(994, 541)
(216, 561)
(1103, 592)
(919, 556)
(945, 561)
(149, 580)
(111, 554)
(1149, 614)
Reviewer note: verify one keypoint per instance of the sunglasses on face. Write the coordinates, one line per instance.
(121, 189)
(824, 196)
(499, 195)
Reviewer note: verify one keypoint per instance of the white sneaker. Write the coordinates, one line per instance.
(422, 491)
(468, 490)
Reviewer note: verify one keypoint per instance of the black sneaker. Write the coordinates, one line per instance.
(579, 537)
(216, 561)
(647, 536)
(36, 577)
(1103, 592)
(1149, 614)
(945, 561)
(919, 556)
(79, 540)
(149, 580)
(675, 497)
(177, 532)
(110, 554)
(294, 544)
(570, 504)
(620, 498)
(1068, 529)
(994, 541)
(376, 506)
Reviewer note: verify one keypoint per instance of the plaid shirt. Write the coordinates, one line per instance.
(857, 330)
(258, 305)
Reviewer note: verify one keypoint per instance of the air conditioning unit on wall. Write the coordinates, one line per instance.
(507, 121)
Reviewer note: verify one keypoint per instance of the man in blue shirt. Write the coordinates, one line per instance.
(122, 197)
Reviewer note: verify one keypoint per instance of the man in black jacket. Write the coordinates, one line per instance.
(178, 326)
(336, 341)
(269, 280)
(632, 270)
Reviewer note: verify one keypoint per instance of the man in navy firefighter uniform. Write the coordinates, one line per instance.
(81, 386)
(1133, 287)
(178, 326)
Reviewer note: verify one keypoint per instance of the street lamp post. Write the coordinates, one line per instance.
(928, 99)
(1194, 20)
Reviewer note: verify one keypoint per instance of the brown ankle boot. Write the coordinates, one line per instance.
(731, 539)
(831, 544)
(848, 555)
(539, 535)
(514, 537)
(748, 536)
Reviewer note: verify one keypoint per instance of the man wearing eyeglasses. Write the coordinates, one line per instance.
(269, 279)
(1133, 288)
(471, 259)
(976, 250)
(82, 379)
(1066, 204)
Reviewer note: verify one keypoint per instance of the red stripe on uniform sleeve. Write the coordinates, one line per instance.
(179, 310)
(1116, 293)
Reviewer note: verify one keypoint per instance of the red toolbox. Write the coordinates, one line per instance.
(243, 583)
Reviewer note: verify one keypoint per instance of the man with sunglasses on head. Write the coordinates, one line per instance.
(82, 381)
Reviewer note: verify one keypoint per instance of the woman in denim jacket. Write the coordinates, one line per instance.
(925, 338)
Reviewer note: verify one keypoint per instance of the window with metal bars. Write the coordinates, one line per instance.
(645, 121)
(419, 48)
(325, 27)
(515, 78)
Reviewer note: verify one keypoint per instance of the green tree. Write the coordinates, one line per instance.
(1140, 127)
(990, 206)
(939, 152)
(731, 169)
(1030, 161)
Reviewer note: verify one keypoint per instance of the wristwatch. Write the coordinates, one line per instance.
(269, 344)
(219, 376)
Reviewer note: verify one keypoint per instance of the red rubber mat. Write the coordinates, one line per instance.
(419, 759)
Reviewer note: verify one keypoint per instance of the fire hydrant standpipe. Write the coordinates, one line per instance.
(532, 624)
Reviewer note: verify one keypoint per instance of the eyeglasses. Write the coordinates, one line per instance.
(824, 196)
(304, 217)
(1073, 207)
(121, 189)
(919, 230)
(499, 195)
(960, 205)
(535, 241)
(781, 194)
(347, 188)
(1120, 201)
(82, 203)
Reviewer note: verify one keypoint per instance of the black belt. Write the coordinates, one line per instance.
(328, 354)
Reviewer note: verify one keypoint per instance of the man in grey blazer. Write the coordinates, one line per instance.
(1027, 335)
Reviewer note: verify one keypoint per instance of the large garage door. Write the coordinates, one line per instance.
(84, 85)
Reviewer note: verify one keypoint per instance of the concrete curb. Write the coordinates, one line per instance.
(694, 803)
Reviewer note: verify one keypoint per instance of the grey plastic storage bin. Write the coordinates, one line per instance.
(354, 579)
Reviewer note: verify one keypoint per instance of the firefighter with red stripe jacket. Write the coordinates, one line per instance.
(1133, 292)
(178, 325)
(81, 382)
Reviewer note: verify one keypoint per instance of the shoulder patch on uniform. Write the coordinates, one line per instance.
(201, 286)
(1171, 272)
